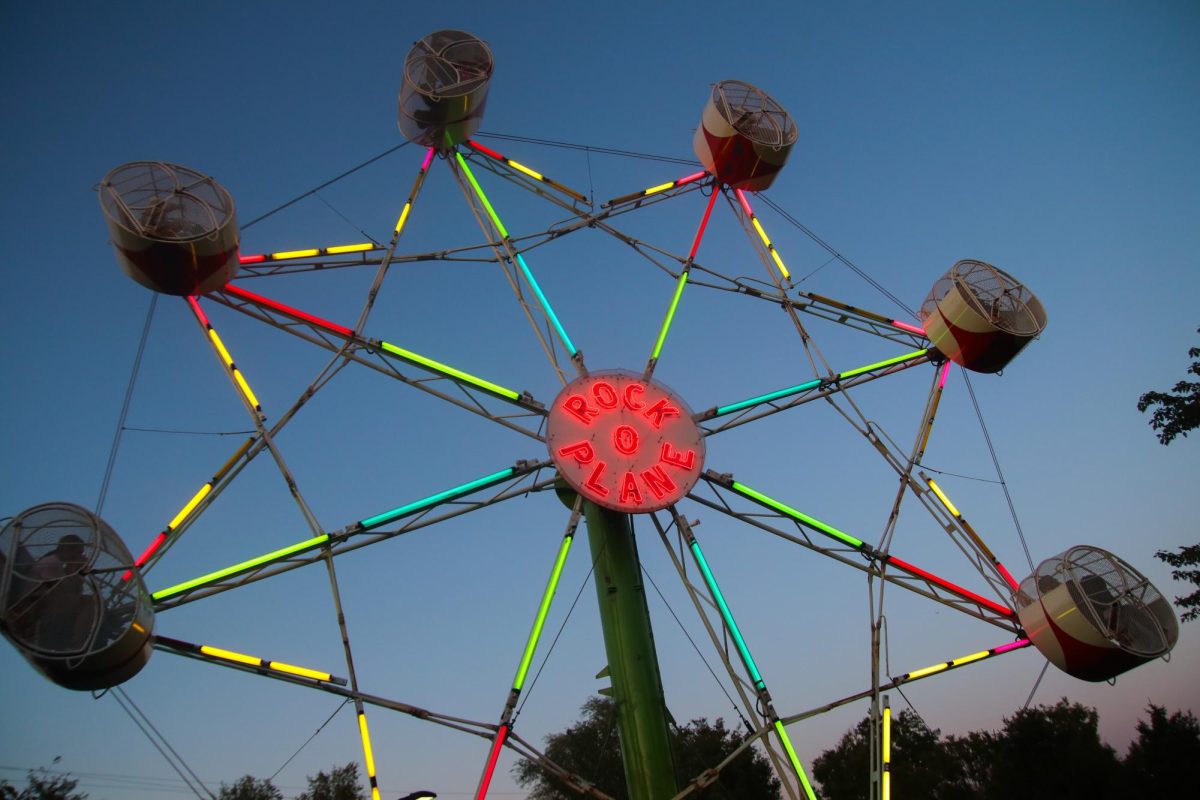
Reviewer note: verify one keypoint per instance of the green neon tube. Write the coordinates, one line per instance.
(796, 765)
(882, 364)
(462, 162)
(662, 334)
(828, 530)
(562, 332)
(437, 366)
(728, 616)
(766, 398)
(213, 577)
(434, 499)
(536, 632)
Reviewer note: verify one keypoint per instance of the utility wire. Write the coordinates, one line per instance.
(133, 374)
(611, 151)
(999, 473)
(122, 698)
(329, 182)
(188, 433)
(309, 739)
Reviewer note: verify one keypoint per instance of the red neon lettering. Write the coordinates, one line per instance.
(660, 410)
(593, 482)
(630, 390)
(629, 490)
(683, 460)
(625, 439)
(605, 395)
(579, 407)
(581, 452)
(658, 481)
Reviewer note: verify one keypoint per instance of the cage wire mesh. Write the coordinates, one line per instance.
(165, 202)
(754, 114)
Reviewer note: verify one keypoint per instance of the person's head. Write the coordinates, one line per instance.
(70, 550)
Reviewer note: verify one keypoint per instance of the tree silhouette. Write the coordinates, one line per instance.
(590, 750)
(248, 787)
(1162, 761)
(340, 783)
(1178, 410)
(41, 785)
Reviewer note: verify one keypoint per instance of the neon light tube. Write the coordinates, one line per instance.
(462, 162)
(435, 499)
(854, 309)
(695, 176)
(217, 343)
(766, 398)
(437, 366)
(229, 655)
(368, 756)
(666, 326)
(958, 662)
(945, 500)
(796, 765)
(286, 254)
(493, 757)
(537, 176)
(727, 615)
(921, 673)
(887, 753)
(254, 259)
(350, 248)
(762, 234)
(195, 501)
(145, 556)
(816, 524)
(904, 326)
(238, 379)
(703, 225)
(562, 332)
(403, 217)
(945, 584)
(1004, 648)
(487, 151)
(1012, 582)
(244, 566)
(303, 672)
(287, 310)
(881, 364)
(536, 632)
(428, 159)
(945, 372)
(662, 187)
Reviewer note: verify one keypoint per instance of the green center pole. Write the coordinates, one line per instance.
(632, 660)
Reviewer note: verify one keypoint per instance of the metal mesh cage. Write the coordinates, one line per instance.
(165, 202)
(994, 294)
(66, 590)
(1115, 598)
(448, 63)
(754, 114)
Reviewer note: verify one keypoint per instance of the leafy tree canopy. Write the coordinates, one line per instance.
(590, 750)
(248, 787)
(41, 785)
(340, 783)
(1178, 411)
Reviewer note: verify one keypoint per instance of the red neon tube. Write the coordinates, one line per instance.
(487, 151)
(493, 757)
(288, 310)
(703, 224)
(198, 311)
(945, 584)
(252, 259)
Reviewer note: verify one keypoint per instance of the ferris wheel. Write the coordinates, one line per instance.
(608, 445)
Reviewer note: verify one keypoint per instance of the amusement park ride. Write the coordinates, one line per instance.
(619, 446)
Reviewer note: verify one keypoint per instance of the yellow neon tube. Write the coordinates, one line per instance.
(761, 233)
(195, 501)
(887, 734)
(366, 740)
(350, 248)
(662, 187)
(921, 673)
(941, 496)
(303, 672)
(887, 785)
(968, 659)
(221, 351)
(229, 655)
(245, 387)
(403, 216)
(779, 263)
(295, 254)
(521, 167)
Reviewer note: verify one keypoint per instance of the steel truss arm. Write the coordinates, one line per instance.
(854, 552)
(385, 357)
(357, 535)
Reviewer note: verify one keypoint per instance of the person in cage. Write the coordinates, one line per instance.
(63, 611)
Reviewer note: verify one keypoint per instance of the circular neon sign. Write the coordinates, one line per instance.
(624, 443)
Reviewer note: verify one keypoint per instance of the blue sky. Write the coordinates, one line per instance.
(1056, 142)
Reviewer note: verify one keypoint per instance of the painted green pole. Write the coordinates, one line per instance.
(632, 660)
